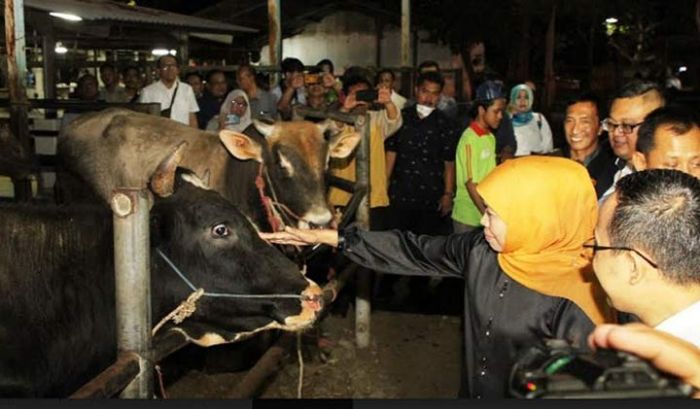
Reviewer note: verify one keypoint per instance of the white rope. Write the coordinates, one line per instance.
(301, 366)
(182, 311)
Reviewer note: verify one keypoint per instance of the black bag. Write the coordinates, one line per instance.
(166, 112)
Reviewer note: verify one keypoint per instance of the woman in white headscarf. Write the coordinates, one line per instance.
(532, 132)
(234, 114)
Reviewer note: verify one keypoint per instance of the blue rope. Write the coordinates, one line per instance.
(222, 295)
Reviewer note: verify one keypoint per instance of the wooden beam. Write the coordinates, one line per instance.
(17, 74)
(274, 35)
(405, 33)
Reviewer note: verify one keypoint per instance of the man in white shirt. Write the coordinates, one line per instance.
(647, 250)
(627, 112)
(181, 106)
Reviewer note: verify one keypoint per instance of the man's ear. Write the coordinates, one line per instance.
(639, 161)
(640, 269)
(634, 273)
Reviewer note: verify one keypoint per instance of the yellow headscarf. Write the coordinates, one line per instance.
(549, 207)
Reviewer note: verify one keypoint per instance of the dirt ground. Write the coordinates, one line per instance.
(410, 356)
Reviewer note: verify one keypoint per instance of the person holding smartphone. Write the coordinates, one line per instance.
(383, 123)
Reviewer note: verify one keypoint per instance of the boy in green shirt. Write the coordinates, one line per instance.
(476, 155)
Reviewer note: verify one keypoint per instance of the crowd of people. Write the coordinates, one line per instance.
(548, 243)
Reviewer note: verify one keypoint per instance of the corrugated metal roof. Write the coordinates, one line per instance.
(106, 10)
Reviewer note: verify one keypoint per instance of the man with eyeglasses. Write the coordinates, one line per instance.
(215, 90)
(647, 250)
(176, 98)
(627, 112)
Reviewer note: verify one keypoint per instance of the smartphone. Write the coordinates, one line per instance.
(310, 79)
(367, 95)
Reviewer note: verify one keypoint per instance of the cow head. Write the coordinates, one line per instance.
(218, 249)
(296, 156)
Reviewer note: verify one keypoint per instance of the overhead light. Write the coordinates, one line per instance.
(66, 16)
(682, 68)
(611, 20)
(60, 48)
(173, 52)
(159, 52)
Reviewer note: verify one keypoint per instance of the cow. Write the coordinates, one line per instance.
(57, 285)
(117, 147)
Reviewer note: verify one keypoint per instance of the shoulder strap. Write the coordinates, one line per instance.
(177, 83)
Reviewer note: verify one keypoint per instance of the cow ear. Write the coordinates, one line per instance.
(241, 146)
(163, 180)
(342, 144)
(264, 128)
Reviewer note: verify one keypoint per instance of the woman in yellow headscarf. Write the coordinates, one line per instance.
(527, 276)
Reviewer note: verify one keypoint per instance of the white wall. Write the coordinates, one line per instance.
(349, 38)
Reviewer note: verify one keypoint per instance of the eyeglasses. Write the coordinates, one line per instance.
(610, 126)
(240, 104)
(593, 244)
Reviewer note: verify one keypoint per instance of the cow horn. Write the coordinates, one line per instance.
(264, 128)
(163, 180)
(323, 126)
(206, 178)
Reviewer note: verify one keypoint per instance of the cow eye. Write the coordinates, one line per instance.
(220, 230)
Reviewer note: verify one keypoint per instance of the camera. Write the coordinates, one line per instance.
(557, 370)
(367, 95)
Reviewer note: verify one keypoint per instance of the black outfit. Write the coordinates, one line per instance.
(209, 106)
(417, 181)
(505, 135)
(501, 316)
(601, 166)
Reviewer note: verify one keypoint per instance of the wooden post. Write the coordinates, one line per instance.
(405, 33)
(17, 74)
(48, 45)
(183, 51)
(275, 37)
(364, 276)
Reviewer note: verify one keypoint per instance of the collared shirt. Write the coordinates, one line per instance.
(482, 145)
(263, 105)
(299, 96)
(184, 103)
(601, 167)
(422, 147)
(685, 324)
(624, 169)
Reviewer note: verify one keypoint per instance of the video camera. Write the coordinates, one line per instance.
(557, 370)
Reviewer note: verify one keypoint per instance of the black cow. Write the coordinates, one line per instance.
(57, 301)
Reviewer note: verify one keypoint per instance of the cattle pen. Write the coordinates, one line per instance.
(132, 374)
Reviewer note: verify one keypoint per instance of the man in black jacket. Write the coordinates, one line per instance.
(582, 129)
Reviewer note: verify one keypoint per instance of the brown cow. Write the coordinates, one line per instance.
(120, 148)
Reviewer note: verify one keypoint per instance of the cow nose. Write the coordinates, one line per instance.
(311, 297)
(319, 216)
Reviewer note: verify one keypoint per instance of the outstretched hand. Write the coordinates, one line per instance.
(302, 237)
(663, 350)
